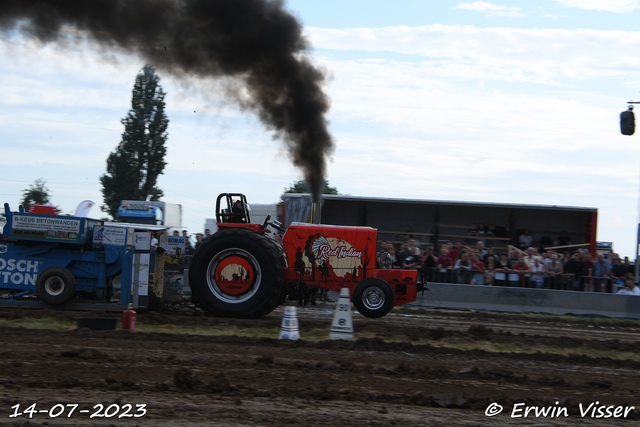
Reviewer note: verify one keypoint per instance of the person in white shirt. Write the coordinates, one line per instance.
(629, 288)
(537, 272)
(525, 240)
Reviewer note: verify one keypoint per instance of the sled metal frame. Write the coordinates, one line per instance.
(17, 301)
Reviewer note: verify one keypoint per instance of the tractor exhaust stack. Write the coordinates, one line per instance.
(315, 213)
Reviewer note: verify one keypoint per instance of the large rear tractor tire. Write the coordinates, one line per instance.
(55, 285)
(237, 273)
(373, 298)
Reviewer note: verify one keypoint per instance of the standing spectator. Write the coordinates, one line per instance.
(545, 242)
(481, 249)
(396, 262)
(502, 269)
(444, 264)
(630, 268)
(530, 255)
(525, 240)
(455, 252)
(412, 262)
(600, 273)
(207, 233)
(473, 234)
(490, 272)
(587, 271)
(429, 264)
(554, 269)
(489, 254)
(404, 252)
(537, 272)
(489, 233)
(186, 236)
(564, 239)
(618, 272)
(478, 268)
(198, 240)
(481, 232)
(463, 268)
(412, 248)
(188, 249)
(444, 260)
(409, 232)
(574, 269)
(612, 258)
(513, 255)
(519, 269)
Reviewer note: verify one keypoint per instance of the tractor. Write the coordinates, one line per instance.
(240, 271)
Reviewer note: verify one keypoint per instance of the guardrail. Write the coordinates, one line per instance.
(525, 279)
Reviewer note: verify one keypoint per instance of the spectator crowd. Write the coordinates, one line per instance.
(527, 266)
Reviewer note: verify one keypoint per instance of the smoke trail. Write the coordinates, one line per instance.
(256, 41)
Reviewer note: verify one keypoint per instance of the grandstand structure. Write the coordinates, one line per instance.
(437, 221)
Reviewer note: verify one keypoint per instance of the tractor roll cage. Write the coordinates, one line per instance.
(227, 215)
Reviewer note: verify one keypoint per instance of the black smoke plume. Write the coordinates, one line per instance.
(255, 41)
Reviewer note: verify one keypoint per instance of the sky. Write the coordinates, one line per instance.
(505, 102)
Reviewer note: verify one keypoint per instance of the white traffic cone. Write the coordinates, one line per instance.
(342, 326)
(289, 329)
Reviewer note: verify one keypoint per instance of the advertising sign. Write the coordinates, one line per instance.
(112, 236)
(140, 280)
(51, 228)
(142, 240)
(174, 264)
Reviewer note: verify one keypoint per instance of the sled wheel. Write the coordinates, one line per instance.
(373, 298)
(237, 273)
(55, 285)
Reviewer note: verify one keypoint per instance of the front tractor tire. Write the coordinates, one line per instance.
(373, 298)
(237, 273)
(55, 285)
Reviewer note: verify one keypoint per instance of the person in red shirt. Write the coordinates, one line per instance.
(454, 253)
(444, 260)
(444, 265)
(520, 267)
(478, 270)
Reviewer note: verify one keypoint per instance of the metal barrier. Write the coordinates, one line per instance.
(523, 300)
(565, 282)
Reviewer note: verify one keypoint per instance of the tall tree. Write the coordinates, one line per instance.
(133, 169)
(303, 187)
(36, 194)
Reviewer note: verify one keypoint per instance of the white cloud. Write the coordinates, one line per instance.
(492, 10)
(617, 6)
(506, 54)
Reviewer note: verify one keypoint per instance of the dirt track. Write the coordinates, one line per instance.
(396, 376)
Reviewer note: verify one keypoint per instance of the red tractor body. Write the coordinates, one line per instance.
(333, 257)
(239, 272)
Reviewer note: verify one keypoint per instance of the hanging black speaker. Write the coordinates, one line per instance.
(627, 122)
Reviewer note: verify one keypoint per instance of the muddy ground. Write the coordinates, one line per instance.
(394, 373)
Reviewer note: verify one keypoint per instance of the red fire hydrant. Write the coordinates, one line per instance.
(129, 319)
